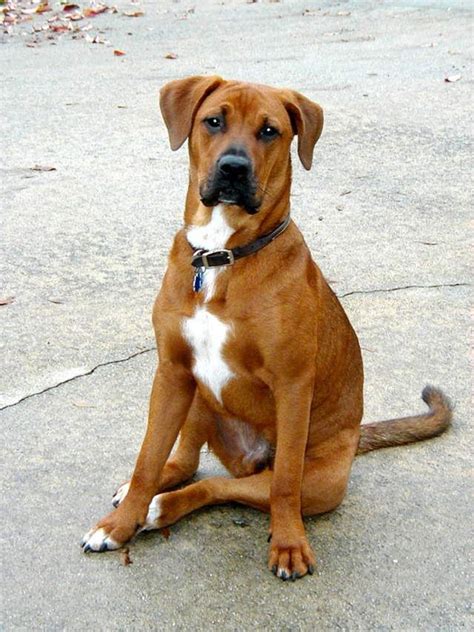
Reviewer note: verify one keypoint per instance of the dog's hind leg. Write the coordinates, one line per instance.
(184, 462)
(324, 485)
(169, 507)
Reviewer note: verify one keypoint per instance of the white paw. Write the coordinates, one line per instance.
(97, 540)
(120, 494)
(154, 514)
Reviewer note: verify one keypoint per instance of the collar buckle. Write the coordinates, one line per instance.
(213, 258)
(225, 256)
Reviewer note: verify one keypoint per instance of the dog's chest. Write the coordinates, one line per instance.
(205, 333)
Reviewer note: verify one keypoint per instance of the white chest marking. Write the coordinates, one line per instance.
(211, 236)
(207, 335)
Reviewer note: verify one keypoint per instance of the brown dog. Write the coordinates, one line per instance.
(257, 357)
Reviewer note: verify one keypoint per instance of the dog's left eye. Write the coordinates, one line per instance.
(268, 132)
(213, 123)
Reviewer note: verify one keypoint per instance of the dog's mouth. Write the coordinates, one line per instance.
(239, 192)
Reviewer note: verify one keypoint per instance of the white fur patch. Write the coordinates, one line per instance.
(212, 236)
(207, 335)
(154, 514)
(98, 540)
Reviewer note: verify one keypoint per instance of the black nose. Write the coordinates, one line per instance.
(232, 166)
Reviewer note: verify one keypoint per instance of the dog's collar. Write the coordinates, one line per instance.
(226, 257)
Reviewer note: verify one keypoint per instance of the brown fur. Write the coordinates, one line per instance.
(288, 425)
(386, 434)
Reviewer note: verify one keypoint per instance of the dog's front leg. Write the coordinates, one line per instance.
(171, 397)
(290, 554)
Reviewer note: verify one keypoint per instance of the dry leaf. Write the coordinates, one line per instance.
(71, 7)
(171, 56)
(80, 403)
(43, 7)
(133, 14)
(97, 39)
(42, 168)
(59, 28)
(90, 12)
(7, 300)
(452, 78)
(125, 559)
(118, 53)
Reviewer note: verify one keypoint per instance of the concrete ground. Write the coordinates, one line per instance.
(84, 250)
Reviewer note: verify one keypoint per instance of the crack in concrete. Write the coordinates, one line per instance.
(139, 353)
(76, 377)
(404, 287)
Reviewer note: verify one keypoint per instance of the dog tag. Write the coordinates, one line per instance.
(198, 279)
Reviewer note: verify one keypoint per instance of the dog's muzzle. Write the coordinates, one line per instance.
(232, 182)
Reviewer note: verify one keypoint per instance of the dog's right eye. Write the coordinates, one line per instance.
(213, 124)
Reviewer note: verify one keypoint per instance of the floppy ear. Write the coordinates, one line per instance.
(179, 102)
(307, 121)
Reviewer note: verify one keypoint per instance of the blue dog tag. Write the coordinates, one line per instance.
(198, 279)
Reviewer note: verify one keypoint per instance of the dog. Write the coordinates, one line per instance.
(257, 357)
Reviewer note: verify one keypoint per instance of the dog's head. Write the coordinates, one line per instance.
(239, 136)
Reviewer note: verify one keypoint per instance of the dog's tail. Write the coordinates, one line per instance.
(385, 434)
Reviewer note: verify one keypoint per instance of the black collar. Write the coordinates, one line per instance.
(226, 257)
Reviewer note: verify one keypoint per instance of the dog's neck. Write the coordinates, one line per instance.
(228, 226)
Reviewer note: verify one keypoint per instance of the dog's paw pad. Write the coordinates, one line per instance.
(97, 541)
(120, 494)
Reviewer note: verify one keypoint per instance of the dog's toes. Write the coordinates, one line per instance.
(98, 540)
(291, 561)
(120, 494)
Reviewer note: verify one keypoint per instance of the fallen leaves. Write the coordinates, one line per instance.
(119, 53)
(171, 56)
(67, 18)
(83, 404)
(7, 300)
(43, 168)
(125, 558)
(241, 522)
(43, 7)
(452, 78)
(97, 39)
(165, 532)
(133, 14)
(91, 12)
